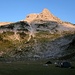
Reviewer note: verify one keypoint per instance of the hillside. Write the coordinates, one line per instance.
(38, 36)
(4, 23)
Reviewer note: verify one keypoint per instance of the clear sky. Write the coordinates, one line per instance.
(15, 10)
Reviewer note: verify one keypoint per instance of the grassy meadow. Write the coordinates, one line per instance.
(33, 68)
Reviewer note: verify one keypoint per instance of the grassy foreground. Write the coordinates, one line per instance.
(25, 68)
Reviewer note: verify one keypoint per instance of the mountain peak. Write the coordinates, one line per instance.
(44, 15)
(46, 11)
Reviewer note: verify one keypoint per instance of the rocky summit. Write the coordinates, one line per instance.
(44, 15)
(39, 36)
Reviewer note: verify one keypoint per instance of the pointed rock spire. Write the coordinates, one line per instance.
(46, 12)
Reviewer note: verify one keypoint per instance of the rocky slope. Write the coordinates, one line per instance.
(4, 23)
(38, 36)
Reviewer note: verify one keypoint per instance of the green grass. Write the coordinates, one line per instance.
(33, 68)
(45, 36)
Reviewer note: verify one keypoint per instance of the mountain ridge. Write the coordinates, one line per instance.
(38, 36)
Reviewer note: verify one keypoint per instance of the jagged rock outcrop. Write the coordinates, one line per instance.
(38, 36)
(44, 15)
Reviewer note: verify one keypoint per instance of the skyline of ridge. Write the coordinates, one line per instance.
(13, 11)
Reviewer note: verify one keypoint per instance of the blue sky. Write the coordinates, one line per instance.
(15, 10)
